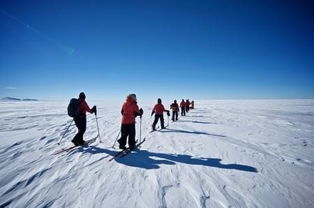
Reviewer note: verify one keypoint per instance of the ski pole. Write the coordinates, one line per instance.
(116, 139)
(65, 132)
(98, 128)
(140, 128)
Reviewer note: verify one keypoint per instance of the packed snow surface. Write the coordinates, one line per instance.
(245, 153)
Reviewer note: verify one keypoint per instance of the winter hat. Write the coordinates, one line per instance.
(133, 96)
(159, 100)
(82, 95)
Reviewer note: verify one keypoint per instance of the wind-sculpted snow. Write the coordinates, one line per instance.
(246, 153)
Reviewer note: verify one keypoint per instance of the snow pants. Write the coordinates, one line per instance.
(182, 111)
(127, 130)
(80, 123)
(174, 115)
(162, 122)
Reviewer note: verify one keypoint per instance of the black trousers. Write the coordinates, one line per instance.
(162, 122)
(81, 126)
(182, 111)
(187, 108)
(174, 115)
(127, 130)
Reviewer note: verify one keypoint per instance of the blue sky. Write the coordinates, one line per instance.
(170, 49)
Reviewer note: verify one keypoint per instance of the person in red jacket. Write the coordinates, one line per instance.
(187, 105)
(80, 121)
(182, 106)
(129, 112)
(175, 110)
(159, 110)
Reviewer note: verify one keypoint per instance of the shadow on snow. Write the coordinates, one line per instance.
(197, 122)
(152, 160)
(189, 132)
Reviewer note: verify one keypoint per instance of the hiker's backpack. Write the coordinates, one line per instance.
(74, 108)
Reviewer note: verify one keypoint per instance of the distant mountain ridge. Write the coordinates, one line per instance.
(17, 99)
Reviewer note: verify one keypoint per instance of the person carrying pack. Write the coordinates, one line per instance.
(129, 112)
(175, 110)
(159, 110)
(77, 110)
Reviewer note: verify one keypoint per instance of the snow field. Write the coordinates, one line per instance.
(245, 153)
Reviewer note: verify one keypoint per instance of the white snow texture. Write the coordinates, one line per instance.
(241, 153)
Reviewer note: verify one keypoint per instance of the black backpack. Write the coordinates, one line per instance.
(74, 108)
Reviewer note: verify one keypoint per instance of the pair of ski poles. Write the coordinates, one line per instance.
(71, 124)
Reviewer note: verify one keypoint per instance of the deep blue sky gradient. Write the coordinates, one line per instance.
(169, 49)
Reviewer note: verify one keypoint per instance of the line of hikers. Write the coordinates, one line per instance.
(129, 111)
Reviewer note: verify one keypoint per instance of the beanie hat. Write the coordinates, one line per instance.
(133, 96)
(82, 95)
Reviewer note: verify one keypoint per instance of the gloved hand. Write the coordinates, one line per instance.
(94, 110)
(141, 112)
(168, 113)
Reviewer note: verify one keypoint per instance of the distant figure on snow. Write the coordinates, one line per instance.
(175, 110)
(159, 110)
(187, 105)
(80, 120)
(182, 106)
(129, 112)
(192, 104)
